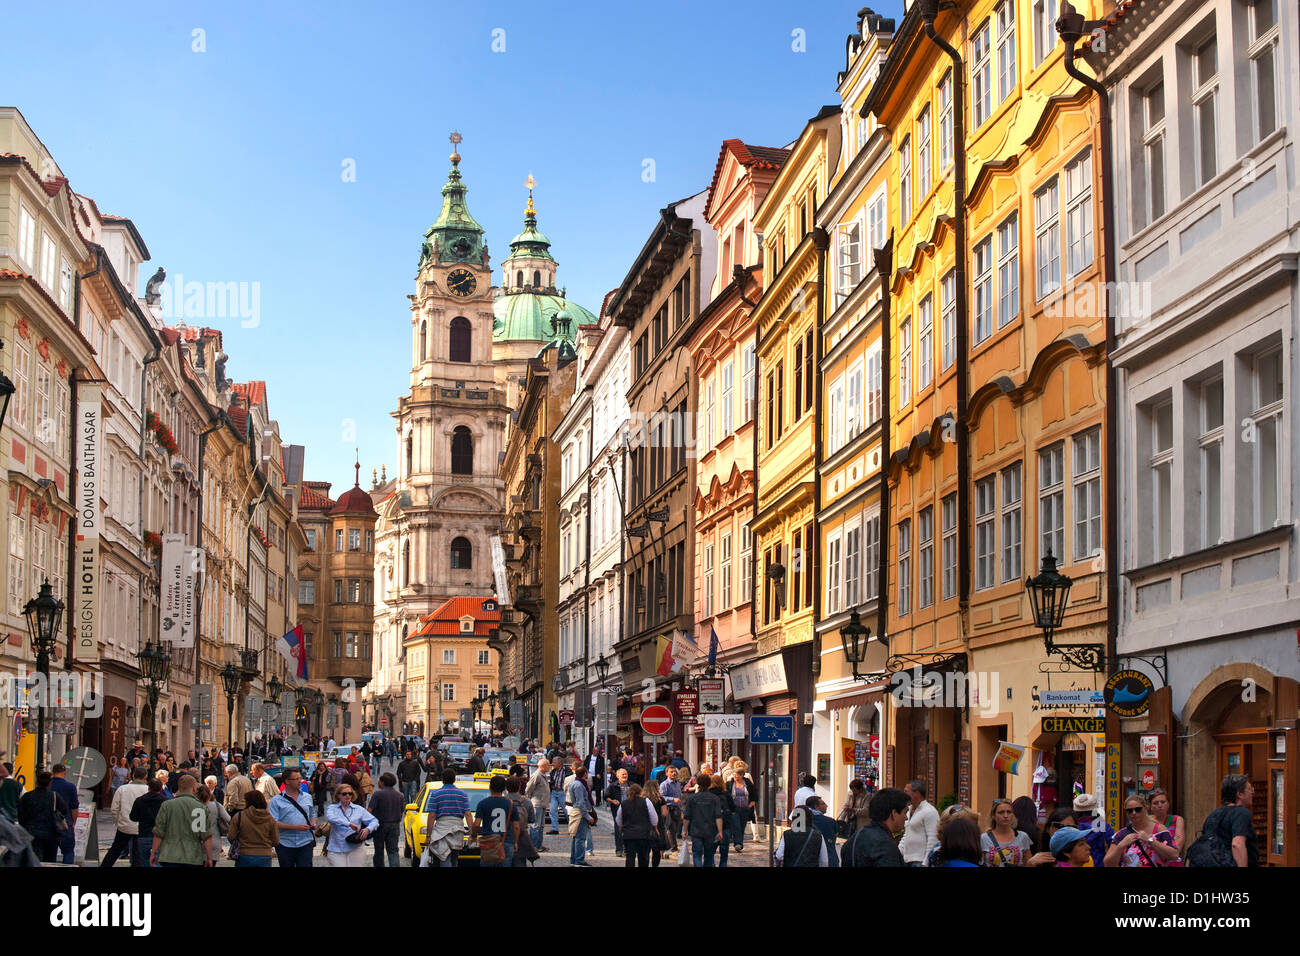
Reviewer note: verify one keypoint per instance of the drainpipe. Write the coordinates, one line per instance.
(884, 269)
(822, 241)
(1071, 26)
(753, 551)
(929, 10)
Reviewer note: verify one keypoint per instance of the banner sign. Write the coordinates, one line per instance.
(85, 589)
(189, 595)
(499, 571)
(170, 584)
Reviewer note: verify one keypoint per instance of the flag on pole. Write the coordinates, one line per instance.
(685, 651)
(713, 646)
(665, 663)
(294, 648)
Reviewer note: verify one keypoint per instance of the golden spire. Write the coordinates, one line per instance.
(455, 138)
(530, 183)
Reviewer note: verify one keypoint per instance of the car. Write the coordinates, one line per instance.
(416, 819)
(459, 753)
(496, 757)
(340, 753)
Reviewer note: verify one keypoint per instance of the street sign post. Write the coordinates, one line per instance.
(772, 730)
(724, 726)
(657, 720)
(711, 696)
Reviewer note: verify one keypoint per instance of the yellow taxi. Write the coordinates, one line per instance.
(416, 820)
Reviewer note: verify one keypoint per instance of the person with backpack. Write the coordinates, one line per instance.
(875, 844)
(1228, 837)
(44, 815)
(803, 845)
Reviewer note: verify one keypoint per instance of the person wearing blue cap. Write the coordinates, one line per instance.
(1070, 847)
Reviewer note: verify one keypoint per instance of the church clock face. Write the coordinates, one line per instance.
(461, 282)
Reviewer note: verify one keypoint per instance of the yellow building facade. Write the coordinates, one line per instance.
(997, 372)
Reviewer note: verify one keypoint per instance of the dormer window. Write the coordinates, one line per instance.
(467, 625)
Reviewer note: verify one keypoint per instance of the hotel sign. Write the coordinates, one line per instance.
(85, 579)
(759, 678)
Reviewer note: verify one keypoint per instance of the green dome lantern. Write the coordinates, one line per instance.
(455, 235)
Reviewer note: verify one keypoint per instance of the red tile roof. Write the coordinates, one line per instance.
(255, 392)
(354, 501)
(54, 185)
(314, 498)
(762, 157)
(1116, 15)
(445, 621)
(240, 419)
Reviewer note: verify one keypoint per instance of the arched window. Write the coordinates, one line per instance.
(462, 555)
(406, 564)
(424, 341)
(460, 339)
(462, 451)
(537, 279)
(519, 279)
(410, 455)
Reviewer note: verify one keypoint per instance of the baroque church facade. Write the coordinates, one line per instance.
(471, 341)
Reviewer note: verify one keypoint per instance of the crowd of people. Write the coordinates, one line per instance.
(354, 808)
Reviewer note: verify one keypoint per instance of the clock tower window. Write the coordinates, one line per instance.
(519, 278)
(462, 451)
(424, 341)
(461, 555)
(537, 279)
(459, 340)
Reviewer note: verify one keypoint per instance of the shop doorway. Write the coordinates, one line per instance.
(1246, 752)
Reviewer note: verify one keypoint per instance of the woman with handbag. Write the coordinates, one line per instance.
(321, 784)
(254, 830)
(659, 838)
(854, 812)
(218, 816)
(741, 795)
(350, 824)
(44, 815)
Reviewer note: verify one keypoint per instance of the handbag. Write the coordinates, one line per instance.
(492, 848)
(60, 821)
(844, 823)
(355, 837)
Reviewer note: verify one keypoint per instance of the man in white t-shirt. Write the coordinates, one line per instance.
(807, 788)
(921, 835)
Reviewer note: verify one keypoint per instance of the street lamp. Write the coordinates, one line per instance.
(1049, 593)
(274, 689)
(231, 677)
(854, 636)
(43, 613)
(492, 720)
(476, 705)
(7, 390)
(602, 669)
(155, 663)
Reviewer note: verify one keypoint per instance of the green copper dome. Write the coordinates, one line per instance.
(455, 235)
(530, 244)
(537, 317)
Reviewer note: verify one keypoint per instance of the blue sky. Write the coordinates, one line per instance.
(230, 161)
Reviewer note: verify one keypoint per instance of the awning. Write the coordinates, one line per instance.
(856, 700)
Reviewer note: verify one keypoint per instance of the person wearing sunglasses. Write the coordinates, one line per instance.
(350, 824)
(1143, 842)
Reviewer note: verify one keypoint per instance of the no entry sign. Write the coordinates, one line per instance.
(656, 720)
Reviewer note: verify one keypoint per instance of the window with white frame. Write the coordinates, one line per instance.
(1205, 92)
(43, 426)
(945, 120)
(747, 384)
(904, 362)
(834, 570)
(1207, 492)
(853, 564)
(1264, 33)
(710, 401)
(746, 563)
(65, 286)
(871, 557)
(836, 414)
(874, 393)
(40, 557)
(1267, 446)
(707, 584)
(853, 401)
(1045, 15)
(306, 592)
(925, 316)
(905, 180)
(484, 658)
(1051, 501)
(1006, 43)
(983, 312)
(1087, 494)
(27, 238)
(1078, 212)
(1008, 271)
(22, 397)
(728, 398)
(948, 514)
(1160, 468)
(925, 539)
(449, 689)
(850, 256)
(948, 320)
(982, 74)
(1047, 238)
(1149, 177)
(724, 569)
(904, 567)
(923, 153)
(876, 219)
(985, 528)
(449, 654)
(1010, 522)
(49, 264)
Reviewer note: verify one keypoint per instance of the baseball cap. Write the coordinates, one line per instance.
(1065, 838)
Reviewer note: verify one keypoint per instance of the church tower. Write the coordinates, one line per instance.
(447, 501)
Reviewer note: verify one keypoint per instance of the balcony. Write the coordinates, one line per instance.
(528, 597)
